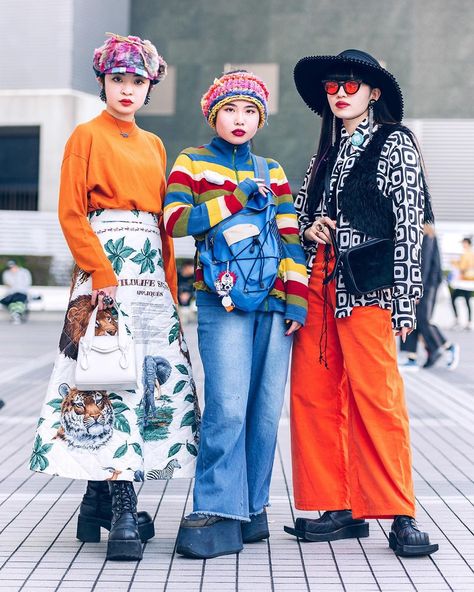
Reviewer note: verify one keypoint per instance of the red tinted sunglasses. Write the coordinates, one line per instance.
(350, 86)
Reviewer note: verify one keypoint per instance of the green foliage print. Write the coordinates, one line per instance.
(174, 331)
(121, 423)
(157, 426)
(145, 258)
(118, 252)
(38, 459)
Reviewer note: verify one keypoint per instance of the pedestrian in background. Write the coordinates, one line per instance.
(110, 203)
(436, 344)
(245, 354)
(349, 423)
(18, 281)
(462, 286)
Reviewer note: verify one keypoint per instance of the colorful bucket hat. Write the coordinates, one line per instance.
(233, 86)
(119, 55)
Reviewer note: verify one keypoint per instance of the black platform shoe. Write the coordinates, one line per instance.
(96, 513)
(205, 537)
(332, 526)
(407, 540)
(124, 541)
(256, 529)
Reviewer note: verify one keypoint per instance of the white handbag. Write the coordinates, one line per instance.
(106, 362)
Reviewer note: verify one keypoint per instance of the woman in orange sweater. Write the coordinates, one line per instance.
(110, 205)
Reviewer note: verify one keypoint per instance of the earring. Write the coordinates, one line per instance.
(102, 95)
(333, 131)
(147, 99)
(371, 118)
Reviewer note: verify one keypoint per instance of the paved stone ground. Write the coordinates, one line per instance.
(39, 551)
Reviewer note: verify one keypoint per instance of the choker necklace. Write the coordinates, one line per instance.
(122, 133)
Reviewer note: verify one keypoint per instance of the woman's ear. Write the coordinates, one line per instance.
(100, 81)
(375, 94)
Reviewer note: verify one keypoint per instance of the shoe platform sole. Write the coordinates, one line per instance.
(355, 531)
(190, 554)
(210, 541)
(88, 529)
(124, 551)
(410, 550)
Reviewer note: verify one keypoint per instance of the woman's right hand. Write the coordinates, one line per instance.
(318, 232)
(263, 189)
(98, 297)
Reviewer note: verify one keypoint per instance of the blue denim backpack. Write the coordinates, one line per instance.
(240, 255)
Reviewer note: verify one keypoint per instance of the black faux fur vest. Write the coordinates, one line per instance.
(363, 204)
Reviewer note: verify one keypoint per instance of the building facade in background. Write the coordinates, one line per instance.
(50, 86)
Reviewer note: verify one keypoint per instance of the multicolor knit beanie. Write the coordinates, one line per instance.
(119, 55)
(232, 86)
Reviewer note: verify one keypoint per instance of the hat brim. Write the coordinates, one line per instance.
(311, 70)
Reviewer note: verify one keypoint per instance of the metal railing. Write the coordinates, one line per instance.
(19, 197)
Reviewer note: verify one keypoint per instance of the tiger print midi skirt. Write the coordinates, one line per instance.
(150, 433)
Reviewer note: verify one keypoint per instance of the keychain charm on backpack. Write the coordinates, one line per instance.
(224, 284)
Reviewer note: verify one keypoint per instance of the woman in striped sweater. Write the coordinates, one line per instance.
(245, 354)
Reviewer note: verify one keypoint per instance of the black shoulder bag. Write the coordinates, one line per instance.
(366, 267)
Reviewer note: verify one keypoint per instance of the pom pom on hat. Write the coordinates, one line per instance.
(119, 55)
(233, 86)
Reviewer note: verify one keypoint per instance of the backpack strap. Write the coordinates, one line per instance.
(261, 170)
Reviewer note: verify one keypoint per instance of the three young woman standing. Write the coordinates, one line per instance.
(350, 442)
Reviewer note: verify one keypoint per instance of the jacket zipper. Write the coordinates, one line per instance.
(234, 150)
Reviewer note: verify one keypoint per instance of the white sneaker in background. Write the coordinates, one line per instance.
(452, 353)
(408, 365)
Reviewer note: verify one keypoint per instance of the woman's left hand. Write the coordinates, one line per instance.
(293, 327)
(403, 333)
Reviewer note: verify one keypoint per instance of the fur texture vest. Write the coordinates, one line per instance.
(363, 204)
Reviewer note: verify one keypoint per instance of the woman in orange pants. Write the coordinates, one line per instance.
(349, 424)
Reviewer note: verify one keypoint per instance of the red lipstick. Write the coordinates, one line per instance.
(126, 102)
(342, 104)
(238, 132)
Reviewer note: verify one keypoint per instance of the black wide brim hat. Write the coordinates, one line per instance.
(310, 71)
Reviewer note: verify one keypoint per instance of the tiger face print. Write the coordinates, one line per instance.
(87, 419)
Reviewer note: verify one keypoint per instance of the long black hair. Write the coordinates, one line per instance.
(325, 150)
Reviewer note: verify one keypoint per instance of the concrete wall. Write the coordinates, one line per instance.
(427, 44)
(50, 43)
(57, 113)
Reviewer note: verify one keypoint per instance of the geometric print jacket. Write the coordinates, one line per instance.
(399, 178)
(210, 183)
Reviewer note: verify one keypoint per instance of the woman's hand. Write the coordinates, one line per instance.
(105, 297)
(262, 188)
(403, 333)
(318, 232)
(294, 326)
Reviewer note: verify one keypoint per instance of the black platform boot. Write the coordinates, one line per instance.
(255, 530)
(124, 541)
(331, 526)
(407, 540)
(96, 513)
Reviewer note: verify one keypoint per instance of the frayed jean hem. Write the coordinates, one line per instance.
(267, 505)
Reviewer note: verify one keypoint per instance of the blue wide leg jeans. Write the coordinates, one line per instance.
(245, 358)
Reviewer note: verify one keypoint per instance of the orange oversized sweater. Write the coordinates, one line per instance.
(103, 170)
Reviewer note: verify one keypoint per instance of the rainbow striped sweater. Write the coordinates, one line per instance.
(212, 182)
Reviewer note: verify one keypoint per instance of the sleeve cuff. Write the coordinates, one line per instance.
(296, 313)
(244, 190)
(103, 278)
(403, 313)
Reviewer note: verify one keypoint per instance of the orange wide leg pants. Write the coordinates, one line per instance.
(349, 424)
